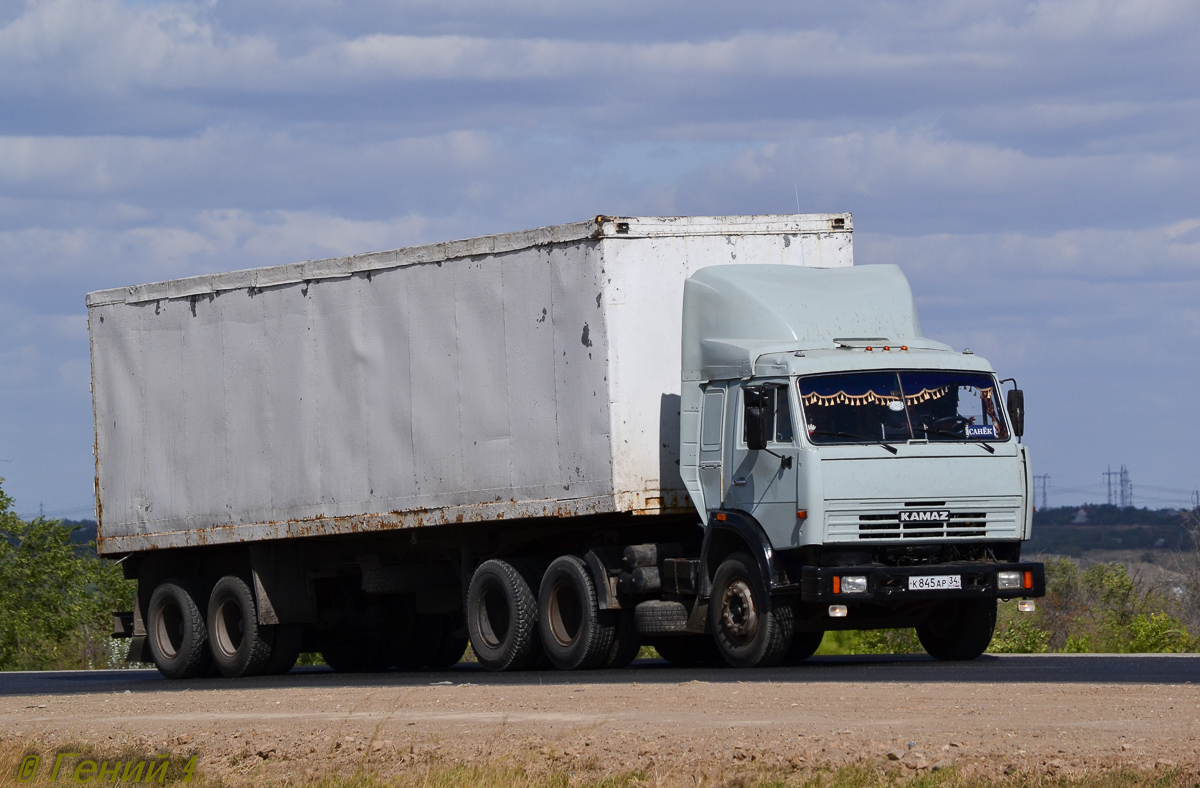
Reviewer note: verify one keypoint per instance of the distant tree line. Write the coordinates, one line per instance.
(1107, 514)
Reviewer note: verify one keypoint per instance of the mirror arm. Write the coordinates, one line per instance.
(784, 461)
(1016, 387)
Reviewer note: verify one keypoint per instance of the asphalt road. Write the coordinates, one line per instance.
(1159, 669)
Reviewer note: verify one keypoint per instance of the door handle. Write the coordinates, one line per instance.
(739, 482)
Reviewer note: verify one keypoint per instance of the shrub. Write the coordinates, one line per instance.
(871, 641)
(56, 598)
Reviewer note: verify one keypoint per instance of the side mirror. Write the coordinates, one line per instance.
(1016, 411)
(758, 417)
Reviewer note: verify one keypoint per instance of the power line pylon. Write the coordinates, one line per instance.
(1041, 482)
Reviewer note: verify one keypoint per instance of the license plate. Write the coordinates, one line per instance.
(934, 582)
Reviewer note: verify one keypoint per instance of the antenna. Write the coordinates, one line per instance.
(797, 190)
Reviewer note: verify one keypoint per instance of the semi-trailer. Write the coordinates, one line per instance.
(715, 435)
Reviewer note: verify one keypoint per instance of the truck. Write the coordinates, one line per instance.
(712, 435)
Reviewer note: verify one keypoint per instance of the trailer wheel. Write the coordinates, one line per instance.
(576, 634)
(959, 630)
(240, 647)
(502, 617)
(175, 628)
(804, 645)
(286, 640)
(627, 641)
(749, 630)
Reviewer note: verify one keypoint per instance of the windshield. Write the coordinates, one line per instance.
(883, 407)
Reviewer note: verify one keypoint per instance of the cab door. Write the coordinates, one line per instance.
(763, 483)
(712, 442)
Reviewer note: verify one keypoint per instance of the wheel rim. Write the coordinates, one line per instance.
(565, 613)
(492, 621)
(168, 631)
(739, 615)
(231, 627)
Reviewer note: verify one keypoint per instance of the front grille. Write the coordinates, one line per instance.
(969, 518)
(888, 526)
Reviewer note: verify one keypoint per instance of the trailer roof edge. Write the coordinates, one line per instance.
(600, 227)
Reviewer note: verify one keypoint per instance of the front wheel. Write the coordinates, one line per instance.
(959, 630)
(749, 629)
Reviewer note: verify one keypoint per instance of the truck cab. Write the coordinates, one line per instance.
(878, 474)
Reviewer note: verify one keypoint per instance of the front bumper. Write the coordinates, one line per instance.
(889, 584)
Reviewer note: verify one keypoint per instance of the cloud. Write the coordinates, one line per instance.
(1098, 325)
(1030, 165)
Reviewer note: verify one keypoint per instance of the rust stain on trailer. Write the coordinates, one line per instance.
(648, 503)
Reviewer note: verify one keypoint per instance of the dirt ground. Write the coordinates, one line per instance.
(669, 731)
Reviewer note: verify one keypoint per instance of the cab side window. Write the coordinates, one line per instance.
(777, 402)
(713, 420)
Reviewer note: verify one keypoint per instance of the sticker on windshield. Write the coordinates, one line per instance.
(981, 430)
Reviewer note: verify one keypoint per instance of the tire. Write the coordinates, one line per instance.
(804, 645)
(958, 630)
(239, 646)
(286, 640)
(576, 633)
(750, 631)
(502, 617)
(627, 641)
(176, 631)
(658, 617)
(686, 650)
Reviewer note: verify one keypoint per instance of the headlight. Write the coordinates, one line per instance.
(1008, 581)
(854, 584)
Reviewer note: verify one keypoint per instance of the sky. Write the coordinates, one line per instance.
(1034, 168)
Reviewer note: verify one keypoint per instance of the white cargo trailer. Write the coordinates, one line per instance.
(528, 374)
(380, 456)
